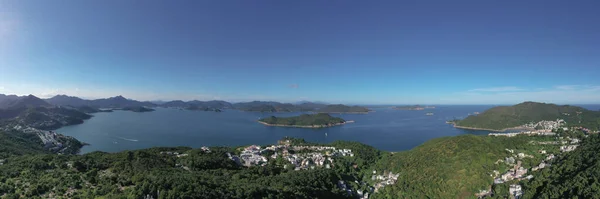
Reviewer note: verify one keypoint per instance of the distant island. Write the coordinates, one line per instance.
(340, 108)
(138, 109)
(198, 108)
(412, 108)
(320, 120)
(530, 115)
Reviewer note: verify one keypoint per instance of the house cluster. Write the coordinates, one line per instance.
(545, 125)
(348, 189)
(516, 173)
(529, 133)
(568, 148)
(251, 156)
(174, 153)
(308, 160)
(388, 178)
(515, 190)
(2, 161)
(205, 149)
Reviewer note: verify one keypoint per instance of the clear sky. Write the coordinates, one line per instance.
(367, 52)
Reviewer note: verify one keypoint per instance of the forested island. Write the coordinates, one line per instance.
(319, 120)
(528, 114)
(340, 108)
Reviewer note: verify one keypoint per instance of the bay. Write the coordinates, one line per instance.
(385, 129)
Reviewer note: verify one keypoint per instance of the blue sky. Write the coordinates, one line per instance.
(385, 52)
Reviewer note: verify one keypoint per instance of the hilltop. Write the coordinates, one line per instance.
(504, 117)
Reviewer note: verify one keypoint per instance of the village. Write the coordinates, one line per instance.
(517, 172)
(51, 140)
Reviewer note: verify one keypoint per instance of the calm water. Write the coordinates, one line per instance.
(385, 129)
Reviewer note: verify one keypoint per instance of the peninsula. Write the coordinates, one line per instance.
(320, 120)
(530, 116)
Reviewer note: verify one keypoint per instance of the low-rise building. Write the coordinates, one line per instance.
(515, 190)
(568, 148)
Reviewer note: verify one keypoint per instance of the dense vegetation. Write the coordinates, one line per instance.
(339, 108)
(320, 119)
(135, 174)
(577, 174)
(18, 143)
(451, 167)
(503, 117)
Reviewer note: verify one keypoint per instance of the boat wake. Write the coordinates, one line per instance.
(131, 140)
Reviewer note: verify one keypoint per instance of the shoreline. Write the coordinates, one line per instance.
(311, 126)
(484, 129)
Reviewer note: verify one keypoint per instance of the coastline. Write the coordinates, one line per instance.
(484, 129)
(307, 126)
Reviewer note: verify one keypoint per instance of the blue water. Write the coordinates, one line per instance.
(385, 129)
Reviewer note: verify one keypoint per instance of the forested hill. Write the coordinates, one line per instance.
(578, 174)
(503, 117)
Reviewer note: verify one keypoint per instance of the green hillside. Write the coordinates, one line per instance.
(503, 117)
(577, 174)
(452, 167)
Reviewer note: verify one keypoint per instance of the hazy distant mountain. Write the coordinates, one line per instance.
(118, 102)
(6, 100)
(23, 102)
(269, 106)
(312, 105)
(175, 103)
(157, 102)
(64, 100)
(340, 108)
(310, 102)
(112, 102)
(218, 104)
